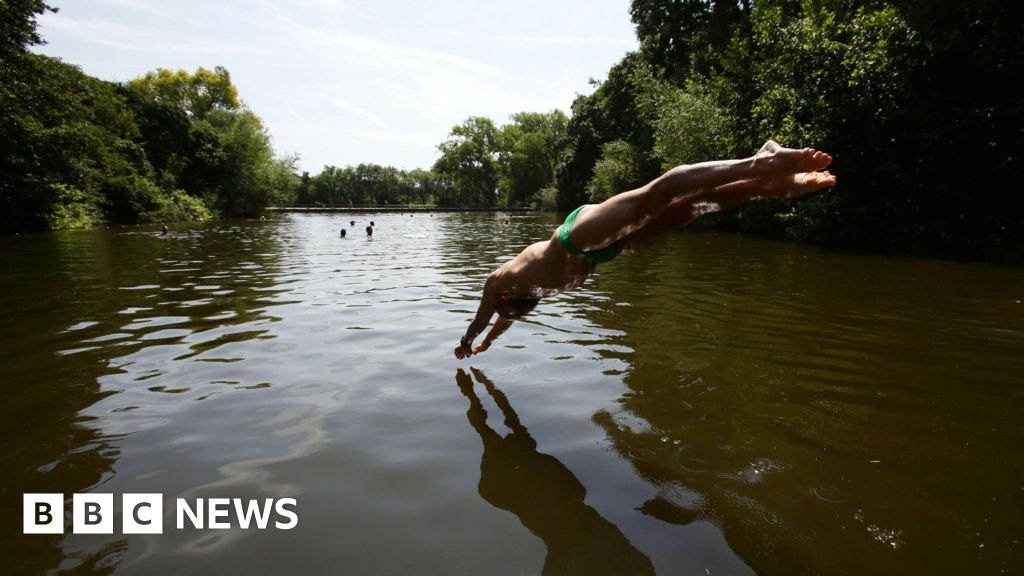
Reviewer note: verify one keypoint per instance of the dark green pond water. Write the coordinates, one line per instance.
(716, 405)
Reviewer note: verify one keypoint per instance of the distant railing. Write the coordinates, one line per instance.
(394, 208)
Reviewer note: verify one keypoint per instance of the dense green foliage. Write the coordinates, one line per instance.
(528, 155)
(507, 166)
(76, 151)
(613, 112)
(469, 160)
(915, 99)
(368, 185)
(614, 172)
(18, 25)
(480, 165)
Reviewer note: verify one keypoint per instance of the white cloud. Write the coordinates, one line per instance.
(357, 110)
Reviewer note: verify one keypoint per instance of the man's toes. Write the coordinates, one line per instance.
(819, 160)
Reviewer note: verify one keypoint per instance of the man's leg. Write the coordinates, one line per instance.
(678, 214)
(685, 210)
(626, 213)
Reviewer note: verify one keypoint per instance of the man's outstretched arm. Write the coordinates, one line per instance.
(500, 325)
(484, 312)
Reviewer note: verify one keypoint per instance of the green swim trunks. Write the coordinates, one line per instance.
(595, 256)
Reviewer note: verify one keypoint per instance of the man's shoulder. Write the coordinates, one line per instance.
(494, 279)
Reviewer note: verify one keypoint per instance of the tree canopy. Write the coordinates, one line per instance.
(912, 98)
(76, 151)
(915, 99)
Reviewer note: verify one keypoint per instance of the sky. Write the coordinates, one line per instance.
(345, 82)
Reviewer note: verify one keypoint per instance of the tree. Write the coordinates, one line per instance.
(253, 178)
(681, 37)
(689, 124)
(839, 81)
(18, 27)
(76, 150)
(530, 147)
(204, 142)
(304, 191)
(615, 172)
(612, 112)
(168, 136)
(197, 94)
(327, 186)
(469, 160)
(67, 150)
(426, 186)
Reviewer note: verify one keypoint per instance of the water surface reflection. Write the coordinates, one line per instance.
(829, 419)
(716, 404)
(545, 495)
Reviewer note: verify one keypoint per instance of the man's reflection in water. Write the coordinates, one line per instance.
(545, 495)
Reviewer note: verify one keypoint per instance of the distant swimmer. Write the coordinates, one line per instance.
(164, 230)
(369, 230)
(352, 223)
(627, 222)
(343, 232)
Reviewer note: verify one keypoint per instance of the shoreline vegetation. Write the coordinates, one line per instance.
(915, 99)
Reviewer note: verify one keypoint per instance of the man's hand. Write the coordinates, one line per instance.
(463, 352)
(483, 346)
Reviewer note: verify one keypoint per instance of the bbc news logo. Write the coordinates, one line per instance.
(143, 513)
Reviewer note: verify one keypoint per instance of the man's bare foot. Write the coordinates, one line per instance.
(795, 185)
(773, 160)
